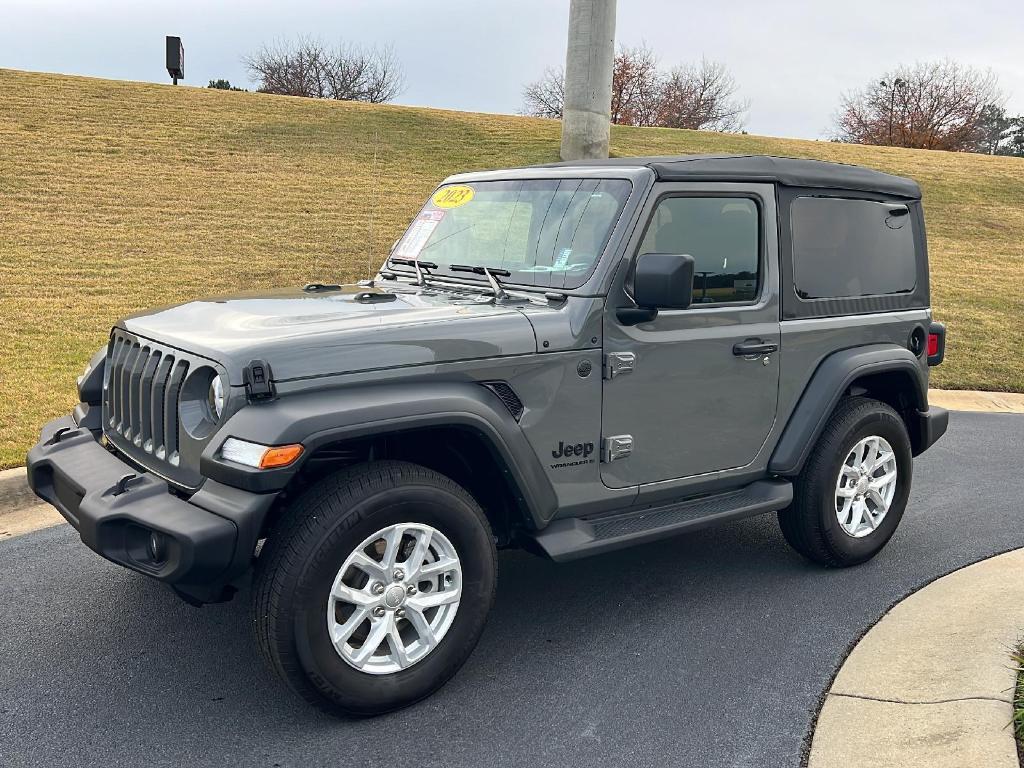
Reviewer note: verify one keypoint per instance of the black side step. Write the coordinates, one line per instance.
(569, 539)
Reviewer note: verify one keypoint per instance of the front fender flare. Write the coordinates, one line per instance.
(327, 416)
(832, 378)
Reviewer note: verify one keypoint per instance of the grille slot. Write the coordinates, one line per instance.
(112, 404)
(145, 434)
(124, 375)
(170, 406)
(156, 414)
(141, 398)
(135, 395)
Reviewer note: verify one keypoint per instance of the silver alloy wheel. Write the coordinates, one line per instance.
(394, 598)
(866, 486)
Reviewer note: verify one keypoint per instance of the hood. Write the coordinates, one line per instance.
(303, 334)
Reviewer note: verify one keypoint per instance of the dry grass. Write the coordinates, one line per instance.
(116, 196)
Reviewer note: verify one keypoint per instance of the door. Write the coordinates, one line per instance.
(702, 391)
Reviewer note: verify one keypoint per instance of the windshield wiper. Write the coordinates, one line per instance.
(417, 265)
(489, 273)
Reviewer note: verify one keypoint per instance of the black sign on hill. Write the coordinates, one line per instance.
(175, 58)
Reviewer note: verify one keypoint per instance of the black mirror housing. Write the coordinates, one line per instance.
(663, 280)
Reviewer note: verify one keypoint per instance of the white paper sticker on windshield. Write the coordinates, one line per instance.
(418, 235)
(562, 260)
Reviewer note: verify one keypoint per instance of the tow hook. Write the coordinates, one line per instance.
(121, 486)
(60, 434)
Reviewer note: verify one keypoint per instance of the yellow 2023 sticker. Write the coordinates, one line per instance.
(452, 197)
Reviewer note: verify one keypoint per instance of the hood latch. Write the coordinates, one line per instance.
(258, 380)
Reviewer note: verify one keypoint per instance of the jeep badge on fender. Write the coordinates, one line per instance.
(358, 452)
(579, 449)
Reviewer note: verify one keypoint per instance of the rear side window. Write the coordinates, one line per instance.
(721, 234)
(847, 248)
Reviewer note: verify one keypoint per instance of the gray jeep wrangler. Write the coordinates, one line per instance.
(569, 358)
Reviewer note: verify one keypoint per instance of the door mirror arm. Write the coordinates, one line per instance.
(661, 280)
(635, 315)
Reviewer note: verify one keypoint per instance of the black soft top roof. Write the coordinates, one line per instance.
(788, 171)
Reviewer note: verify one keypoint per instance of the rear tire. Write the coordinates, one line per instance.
(834, 490)
(319, 551)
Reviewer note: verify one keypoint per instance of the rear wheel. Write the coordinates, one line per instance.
(851, 494)
(375, 588)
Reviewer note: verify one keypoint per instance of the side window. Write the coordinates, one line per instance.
(847, 248)
(722, 236)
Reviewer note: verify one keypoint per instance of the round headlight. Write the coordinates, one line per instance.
(216, 396)
(202, 401)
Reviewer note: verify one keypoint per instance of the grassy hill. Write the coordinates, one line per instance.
(116, 196)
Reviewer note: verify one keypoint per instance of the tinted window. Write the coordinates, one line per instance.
(844, 248)
(721, 233)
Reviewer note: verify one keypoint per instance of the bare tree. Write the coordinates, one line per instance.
(635, 83)
(636, 86)
(306, 67)
(935, 105)
(701, 97)
(545, 97)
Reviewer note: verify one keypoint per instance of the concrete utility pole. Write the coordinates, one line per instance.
(586, 111)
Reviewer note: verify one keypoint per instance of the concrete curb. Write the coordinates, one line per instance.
(932, 683)
(20, 510)
(980, 402)
(14, 491)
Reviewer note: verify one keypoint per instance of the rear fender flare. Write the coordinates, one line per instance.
(830, 381)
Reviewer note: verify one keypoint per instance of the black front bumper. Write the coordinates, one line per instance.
(208, 540)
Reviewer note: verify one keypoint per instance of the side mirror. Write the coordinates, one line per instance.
(663, 281)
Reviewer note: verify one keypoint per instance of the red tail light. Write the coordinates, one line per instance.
(936, 343)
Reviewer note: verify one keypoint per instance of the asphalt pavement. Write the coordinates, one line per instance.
(712, 649)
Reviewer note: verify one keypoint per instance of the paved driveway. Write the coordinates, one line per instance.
(707, 650)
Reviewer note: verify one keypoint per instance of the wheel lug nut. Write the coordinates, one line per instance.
(410, 590)
(399, 574)
(378, 612)
(377, 588)
(400, 613)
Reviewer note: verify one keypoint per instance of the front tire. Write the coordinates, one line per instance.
(853, 490)
(374, 588)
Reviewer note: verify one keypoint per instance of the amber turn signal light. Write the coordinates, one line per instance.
(280, 456)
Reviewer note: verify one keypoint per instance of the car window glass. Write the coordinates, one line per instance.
(721, 234)
(846, 248)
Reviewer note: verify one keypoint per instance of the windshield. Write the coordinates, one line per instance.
(547, 233)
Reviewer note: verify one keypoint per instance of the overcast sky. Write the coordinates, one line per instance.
(791, 58)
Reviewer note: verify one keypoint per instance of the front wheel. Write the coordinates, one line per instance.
(375, 588)
(852, 492)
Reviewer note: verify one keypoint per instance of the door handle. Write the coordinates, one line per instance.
(754, 347)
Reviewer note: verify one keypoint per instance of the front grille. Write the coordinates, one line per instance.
(140, 402)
